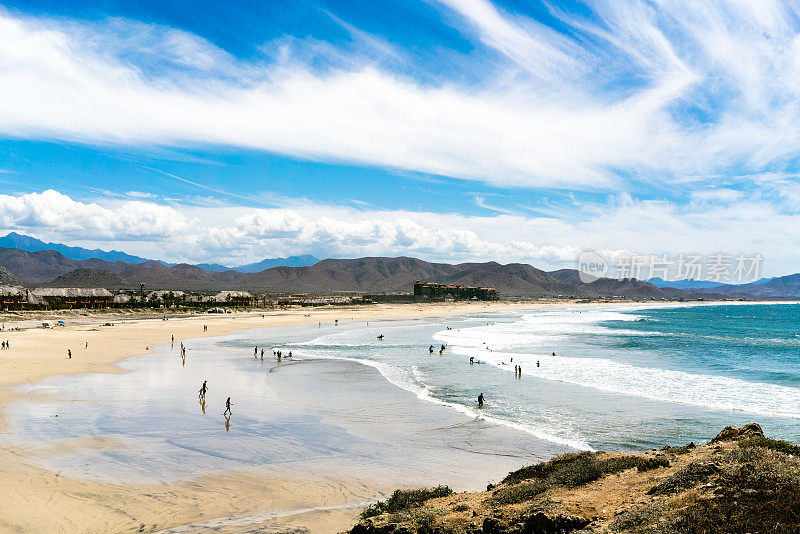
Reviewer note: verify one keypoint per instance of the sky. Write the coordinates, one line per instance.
(449, 130)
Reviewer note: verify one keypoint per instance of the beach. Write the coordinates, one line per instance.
(42, 500)
(113, 440)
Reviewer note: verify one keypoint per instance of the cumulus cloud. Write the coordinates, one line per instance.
(223, 234)
(637, 91)
(52, 211)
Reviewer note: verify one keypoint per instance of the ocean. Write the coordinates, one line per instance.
(623, 377)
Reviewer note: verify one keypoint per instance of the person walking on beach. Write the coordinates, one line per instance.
(227, 407)
(519, 371)
(262, 354)
(87, 345)
(255, 352)
(203, 390)
(554, 353)
(537, 363)
(69, 354)
(480, 400)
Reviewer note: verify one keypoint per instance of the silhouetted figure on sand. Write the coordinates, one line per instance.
(480, 400)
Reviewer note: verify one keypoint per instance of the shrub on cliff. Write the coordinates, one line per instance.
(577, 469)
(403, 500)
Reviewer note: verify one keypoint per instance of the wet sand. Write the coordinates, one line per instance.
(38, 499)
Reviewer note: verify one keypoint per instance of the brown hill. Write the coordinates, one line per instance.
(8, 279)
(156, 275)
(399, 274)
(43, 266)
(88, 278)
(781, 287)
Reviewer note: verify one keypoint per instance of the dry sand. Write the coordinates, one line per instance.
(38, 500)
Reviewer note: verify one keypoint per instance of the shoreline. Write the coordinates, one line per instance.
(39, 353)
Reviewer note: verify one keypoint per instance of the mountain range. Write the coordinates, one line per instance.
(695, 284)
(31, 244)
(364, 275)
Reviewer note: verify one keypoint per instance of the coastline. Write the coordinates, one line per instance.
(75, 504)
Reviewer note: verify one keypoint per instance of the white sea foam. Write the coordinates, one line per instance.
(668, 385)
(415, 384)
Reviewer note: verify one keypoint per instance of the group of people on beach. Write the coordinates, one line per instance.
(202, 397)
(6, 345)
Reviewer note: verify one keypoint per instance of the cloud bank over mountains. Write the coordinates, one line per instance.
(232, 234)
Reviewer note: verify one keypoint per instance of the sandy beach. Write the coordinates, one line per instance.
(40, 500)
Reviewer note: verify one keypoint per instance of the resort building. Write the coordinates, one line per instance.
(235, 298)
(12, 298)
(70, 298)
(432, 291)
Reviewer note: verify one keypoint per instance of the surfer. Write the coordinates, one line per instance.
(471, 360)
(380, 336)
(430, 349)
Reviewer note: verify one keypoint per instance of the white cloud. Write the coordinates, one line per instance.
(649, 91)
(723, 194)
(52, 211)
(226, 235)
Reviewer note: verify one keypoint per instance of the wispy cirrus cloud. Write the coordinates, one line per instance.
(638, 91)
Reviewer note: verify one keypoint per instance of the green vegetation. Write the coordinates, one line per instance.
(404, 500)
(688, 477)
(577, 469)
(522, 492)
(772, 444)
(753, 488)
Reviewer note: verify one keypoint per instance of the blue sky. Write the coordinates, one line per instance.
(451, 130)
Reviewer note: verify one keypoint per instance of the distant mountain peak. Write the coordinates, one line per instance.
(31, 244)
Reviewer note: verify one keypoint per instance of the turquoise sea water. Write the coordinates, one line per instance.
(623, 378)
